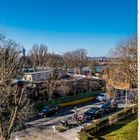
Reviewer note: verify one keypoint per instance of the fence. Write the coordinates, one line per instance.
(67, 99)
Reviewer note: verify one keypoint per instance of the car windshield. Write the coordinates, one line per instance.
(93, 108)
(102, 95)
(88, 112)
(106, 104)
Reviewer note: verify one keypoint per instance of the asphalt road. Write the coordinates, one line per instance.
(44, 125)
(64, 113)
(67, 112)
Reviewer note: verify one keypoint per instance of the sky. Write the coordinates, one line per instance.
(65, 25)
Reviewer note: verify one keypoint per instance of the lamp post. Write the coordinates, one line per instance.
(52, 134)
(126, 99)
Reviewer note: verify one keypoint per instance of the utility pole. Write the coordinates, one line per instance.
(126, 99)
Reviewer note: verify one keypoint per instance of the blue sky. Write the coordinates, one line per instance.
(65, 25)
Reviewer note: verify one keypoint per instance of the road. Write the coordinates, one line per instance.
(41, 129)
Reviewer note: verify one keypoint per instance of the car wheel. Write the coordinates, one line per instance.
(102, 114)
(56, 113)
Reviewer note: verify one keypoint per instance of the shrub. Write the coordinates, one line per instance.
(105, 122)
(61, 128)
(124, 113)
(89, 127)
(102, 122)
(85, 136)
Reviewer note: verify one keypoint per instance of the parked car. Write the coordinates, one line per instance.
(46, 111)
(19, 82)
(109, 106)
(102, 97)
(93, 112)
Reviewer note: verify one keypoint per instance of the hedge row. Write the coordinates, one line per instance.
(90, 130)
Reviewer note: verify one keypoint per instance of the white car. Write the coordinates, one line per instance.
(102, 97)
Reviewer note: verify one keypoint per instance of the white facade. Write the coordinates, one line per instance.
(37, 76)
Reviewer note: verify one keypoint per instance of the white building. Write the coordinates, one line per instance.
(39, 76)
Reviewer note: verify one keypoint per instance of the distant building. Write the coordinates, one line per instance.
(39, 76)
(86, 71)
(104, 59)
(71, 72)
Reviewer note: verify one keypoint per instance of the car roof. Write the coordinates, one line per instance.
(95, 108)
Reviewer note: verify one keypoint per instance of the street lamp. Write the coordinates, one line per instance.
(126, 99)
(54, 129)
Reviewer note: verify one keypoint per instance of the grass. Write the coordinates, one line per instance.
(123, 130)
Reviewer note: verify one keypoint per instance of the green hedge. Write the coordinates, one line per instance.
(89, 128)
(85, 136)
(124, 113)
(105, 122)
(102, 122)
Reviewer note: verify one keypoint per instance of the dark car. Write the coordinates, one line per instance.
(19, 82)
(46, 111)
(109, 106)
(93, 112)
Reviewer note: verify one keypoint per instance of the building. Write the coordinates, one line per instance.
(102, 59)
(39, 76)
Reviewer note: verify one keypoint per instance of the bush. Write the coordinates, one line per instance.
(89, 128)
(61, 128)
(85, 136)
(105, 122)
(102, 122)
(124, 113)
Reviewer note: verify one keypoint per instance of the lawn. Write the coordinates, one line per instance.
(123, 130)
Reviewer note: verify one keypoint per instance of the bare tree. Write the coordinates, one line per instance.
(54, 60)
(69, 60)
(80, 57)
(122, 70)
(14, 106)
(15, 109)
(10, 60)
(38, 54)
(63, 88)
(76, 58)
(52, 82)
